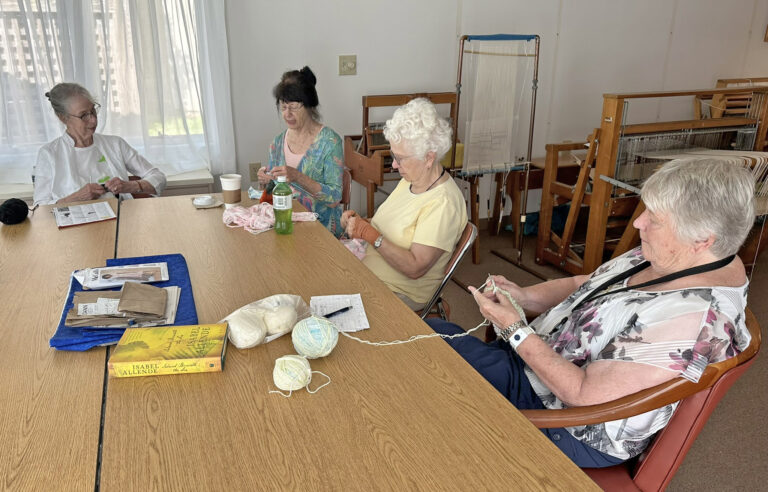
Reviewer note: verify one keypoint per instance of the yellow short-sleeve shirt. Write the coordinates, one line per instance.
(434, 218)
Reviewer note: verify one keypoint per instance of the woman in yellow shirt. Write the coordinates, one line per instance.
(413, 233)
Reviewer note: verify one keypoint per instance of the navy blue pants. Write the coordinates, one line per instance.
(503, 368)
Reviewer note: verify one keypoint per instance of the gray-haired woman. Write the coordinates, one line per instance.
(84, 165)
(663, 310)
(413, 233)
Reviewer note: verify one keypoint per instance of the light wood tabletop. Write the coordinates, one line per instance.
(50, 401)
(412, 416)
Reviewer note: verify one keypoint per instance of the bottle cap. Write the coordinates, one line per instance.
(281, 179)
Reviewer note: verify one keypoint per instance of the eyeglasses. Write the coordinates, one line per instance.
(399, 158)
(93, 113)
(292, 107)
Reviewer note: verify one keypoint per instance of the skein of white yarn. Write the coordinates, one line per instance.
(292, 372)
(314, 337)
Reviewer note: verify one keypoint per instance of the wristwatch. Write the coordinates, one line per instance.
(377, 242)
(516, 333)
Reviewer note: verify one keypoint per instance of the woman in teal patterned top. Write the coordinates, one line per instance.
(307, 153)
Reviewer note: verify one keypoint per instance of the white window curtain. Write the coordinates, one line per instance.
(159, 68)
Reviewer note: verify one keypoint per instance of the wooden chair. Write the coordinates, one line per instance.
(346, 188)
(462, 246)
(656, 466)
(138, 195)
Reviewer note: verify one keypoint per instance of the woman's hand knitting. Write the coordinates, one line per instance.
(345, 218)
(359, 228)
(495, 308)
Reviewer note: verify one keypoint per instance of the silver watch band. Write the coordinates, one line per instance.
(507, 332)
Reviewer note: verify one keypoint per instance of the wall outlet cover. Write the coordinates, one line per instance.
(347, 64)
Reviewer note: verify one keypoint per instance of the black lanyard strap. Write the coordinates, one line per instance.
(597, 293)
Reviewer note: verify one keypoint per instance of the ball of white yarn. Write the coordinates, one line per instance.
(314, 337)
(246, 328)
(280, 319)
(291, 373)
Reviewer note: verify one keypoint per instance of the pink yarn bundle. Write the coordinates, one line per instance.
(259, 218)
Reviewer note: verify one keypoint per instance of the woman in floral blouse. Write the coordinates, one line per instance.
(308, 153)
(663, 310)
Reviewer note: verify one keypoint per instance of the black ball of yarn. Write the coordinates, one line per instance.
(13, 211)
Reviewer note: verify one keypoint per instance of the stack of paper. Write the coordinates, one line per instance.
(352, 319)
(108, 277)
(86, 337)
(135, 305)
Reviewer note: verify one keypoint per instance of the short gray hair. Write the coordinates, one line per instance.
(421, 128)
(704, 197)
(60, 95)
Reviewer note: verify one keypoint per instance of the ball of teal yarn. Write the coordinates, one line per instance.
(314, 337)
(291, 373)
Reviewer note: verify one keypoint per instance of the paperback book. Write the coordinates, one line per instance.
(169, 350)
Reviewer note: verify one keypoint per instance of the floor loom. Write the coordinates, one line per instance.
(500, 85)
(620, 156)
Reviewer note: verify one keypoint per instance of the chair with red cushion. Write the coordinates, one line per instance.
(656, 466)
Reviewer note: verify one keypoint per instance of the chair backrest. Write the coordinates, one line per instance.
(656, 466)
(346, 188)
(462, 246)
(138, 195)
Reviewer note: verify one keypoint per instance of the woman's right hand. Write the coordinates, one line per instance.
(345, 218)
(90, 191)
(264, 178)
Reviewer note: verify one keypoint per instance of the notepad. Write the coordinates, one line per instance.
(353, 320)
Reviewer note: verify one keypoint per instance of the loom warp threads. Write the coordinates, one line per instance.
(13, 211)
(314, 337)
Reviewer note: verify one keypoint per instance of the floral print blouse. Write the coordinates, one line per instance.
(678, 330)
(324, 163)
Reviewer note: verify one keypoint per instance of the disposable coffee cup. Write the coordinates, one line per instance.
(230, 188)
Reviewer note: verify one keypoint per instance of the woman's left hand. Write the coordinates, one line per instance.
(117, 185)
(496, 309)
(291, 173)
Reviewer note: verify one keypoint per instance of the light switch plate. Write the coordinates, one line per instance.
(347, 64)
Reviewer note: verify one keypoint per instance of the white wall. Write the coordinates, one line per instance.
(588, 47)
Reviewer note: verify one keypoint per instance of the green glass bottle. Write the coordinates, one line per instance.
(282, 203)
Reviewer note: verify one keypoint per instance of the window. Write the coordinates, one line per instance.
(140, 62)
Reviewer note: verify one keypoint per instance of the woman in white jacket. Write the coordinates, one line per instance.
(83, 165)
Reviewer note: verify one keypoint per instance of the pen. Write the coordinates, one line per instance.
(338, 311)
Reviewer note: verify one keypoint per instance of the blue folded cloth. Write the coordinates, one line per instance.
(85, 337)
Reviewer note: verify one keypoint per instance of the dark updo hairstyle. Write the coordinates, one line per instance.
(298, 86)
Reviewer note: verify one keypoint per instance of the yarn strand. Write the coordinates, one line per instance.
(416, 337)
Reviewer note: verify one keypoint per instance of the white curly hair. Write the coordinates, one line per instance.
(418, 125)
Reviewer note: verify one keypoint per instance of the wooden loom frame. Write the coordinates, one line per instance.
(495, 222)
(603, 149)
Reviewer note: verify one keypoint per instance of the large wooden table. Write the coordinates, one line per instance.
(411, 416)
(50, 401)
